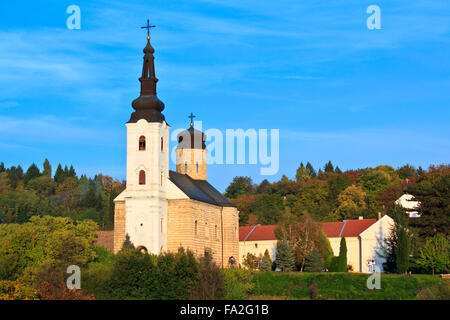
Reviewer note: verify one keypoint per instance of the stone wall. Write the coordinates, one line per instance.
(198, 226)
(119, 225)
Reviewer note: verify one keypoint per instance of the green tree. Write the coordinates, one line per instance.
(314, 262)
(407, 171)
(32, 173)
(342, 261)
(211, 280)
(403, 250)
(329, 167)
(311, 170)
(15, 175)
(352, 201)
(285, 256)
(265, 264)
(434, 255)
(434, 198)
(302, 174)
(59, 174)
(2, 167)
(47, 168)
(239, 187)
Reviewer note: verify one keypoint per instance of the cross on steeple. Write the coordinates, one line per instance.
(148, 26)
(192, 119)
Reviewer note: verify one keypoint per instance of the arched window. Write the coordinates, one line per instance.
(195, 227)
(141, 143)
(162, 144)
(215, 232)
(142, 177)
(142, 249)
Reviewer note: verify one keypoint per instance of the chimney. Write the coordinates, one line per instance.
(360, 218)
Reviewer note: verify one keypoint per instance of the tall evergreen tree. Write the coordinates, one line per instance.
(47, 168)
(314, 262)
(311, 170)
(32, 173)
(2, 167)
(402, 250)
(329, 167)
(342, 256)
(15, 175)
(285, 256)
(338, 170)
(66, 171)
(59, 174)
(72, 172)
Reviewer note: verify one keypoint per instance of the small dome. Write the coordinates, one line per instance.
(191, 139)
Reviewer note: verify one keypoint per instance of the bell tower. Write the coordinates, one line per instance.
(144, 201)
(191, 152)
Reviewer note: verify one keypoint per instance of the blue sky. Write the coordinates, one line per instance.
(335, 89)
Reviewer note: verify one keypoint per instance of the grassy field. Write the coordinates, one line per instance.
(348, 286)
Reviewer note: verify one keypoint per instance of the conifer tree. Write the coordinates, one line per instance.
(285, 256)
(47, 168)
(329, 167)
(32, 172)
(342, 261)
(59, 174)
(402, 250)
(314, 262)
(2, 167)
(311, 170)
(72, 172)
(265, 264)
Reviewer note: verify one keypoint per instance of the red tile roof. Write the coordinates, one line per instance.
(349, 228)
(259, 233)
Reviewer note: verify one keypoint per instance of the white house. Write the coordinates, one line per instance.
(408, 202)
(364, 239)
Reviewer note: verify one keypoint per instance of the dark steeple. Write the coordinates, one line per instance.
(147, 105)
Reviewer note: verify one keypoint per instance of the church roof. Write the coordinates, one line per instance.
(191, 139)
(147, 105)
(199, 190)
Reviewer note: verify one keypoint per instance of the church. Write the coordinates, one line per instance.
(162, 210)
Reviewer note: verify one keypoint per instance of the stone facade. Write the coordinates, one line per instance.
(192, 162)
(193, 225)
(119, 225)
(202, 227)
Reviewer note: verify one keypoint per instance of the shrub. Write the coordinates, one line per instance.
(238, 284)
(211, 280)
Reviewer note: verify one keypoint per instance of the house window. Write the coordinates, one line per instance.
(256, 245)
(195, 227)
(141, 143)
(142, 177)
(162, 144)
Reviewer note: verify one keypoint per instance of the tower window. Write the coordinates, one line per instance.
(161, 178)
(142, 177)
(162, 144)
(141, 143)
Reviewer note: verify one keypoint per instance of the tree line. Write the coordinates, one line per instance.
(64, 194)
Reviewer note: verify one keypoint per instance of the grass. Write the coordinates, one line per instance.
(341, 286)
